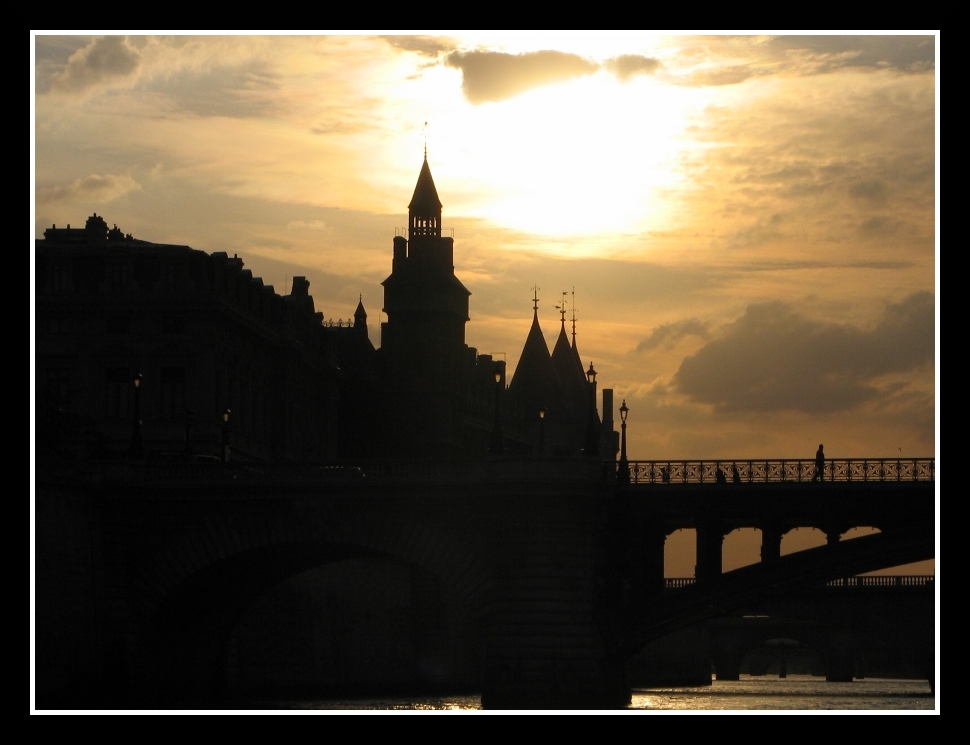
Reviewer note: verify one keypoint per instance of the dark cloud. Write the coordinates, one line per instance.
(51, 54)
(105, 58)
(800, 55)
(426, 46)
(880, 264)
(914, 54)
(873, 190)
(880, 225)
(495, 76)
(93, 188)
(731, 75)
(627, 65)
(240, 91)
(774, 359)
(669, 334)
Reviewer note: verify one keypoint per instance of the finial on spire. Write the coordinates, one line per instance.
(425, 140)
(535, 299)
(574, 316)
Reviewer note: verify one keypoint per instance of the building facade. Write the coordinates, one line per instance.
(182, 350)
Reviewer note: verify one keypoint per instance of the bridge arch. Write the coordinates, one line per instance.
(741, 588)
(194, 589)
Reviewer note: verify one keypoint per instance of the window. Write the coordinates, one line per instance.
(60, 277)
(119, 276)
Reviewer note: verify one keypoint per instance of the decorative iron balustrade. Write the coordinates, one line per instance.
(862, 581)
(779, 471)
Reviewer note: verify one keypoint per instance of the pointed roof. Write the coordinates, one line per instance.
(569, 369)
(360, 312)
(425, 199)
(535, 382)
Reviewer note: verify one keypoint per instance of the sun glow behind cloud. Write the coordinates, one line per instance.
(582, 156)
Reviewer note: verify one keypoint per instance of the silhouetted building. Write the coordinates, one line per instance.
(204, 335)
(224, 365)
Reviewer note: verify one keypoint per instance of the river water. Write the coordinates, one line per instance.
(804, 693)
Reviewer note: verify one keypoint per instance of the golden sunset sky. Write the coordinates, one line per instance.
(749, 222)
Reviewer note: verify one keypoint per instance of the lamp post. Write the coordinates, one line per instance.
(592, 435)
(542, 431)
(624, 473)
(137, 449)
(225, 435)
(498, 446)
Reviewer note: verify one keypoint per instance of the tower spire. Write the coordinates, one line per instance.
(535, 299)
(424, 211)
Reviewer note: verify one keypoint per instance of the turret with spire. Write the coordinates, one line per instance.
(423, 339)
(360, 318)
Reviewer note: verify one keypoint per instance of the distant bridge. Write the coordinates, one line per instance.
(549, 573)
(849, 584)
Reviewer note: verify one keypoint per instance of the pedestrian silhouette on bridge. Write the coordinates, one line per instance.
(664, 474)
(735, 476)
(719, 476)
(819, 465)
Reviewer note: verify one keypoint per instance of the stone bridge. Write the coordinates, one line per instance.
(544, 576)
(856, 625)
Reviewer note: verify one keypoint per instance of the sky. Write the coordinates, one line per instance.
(746, 225)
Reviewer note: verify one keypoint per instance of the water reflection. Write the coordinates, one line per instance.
(750, 693)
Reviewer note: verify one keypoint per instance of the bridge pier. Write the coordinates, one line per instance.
(647, 567)
(727, 652)
(771, 536)
(710, 540)
(550, 639)
(840, 652)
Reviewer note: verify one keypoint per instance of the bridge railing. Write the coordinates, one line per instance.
(779, 471)
(858, 582)
(881, 580)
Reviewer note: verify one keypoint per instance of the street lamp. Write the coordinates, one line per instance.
(225, 435)
(137, 449)
(542, 431)
(592, 435)
(498, 446)
(624, 473)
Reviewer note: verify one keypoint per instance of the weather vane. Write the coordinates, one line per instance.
(562, 308)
